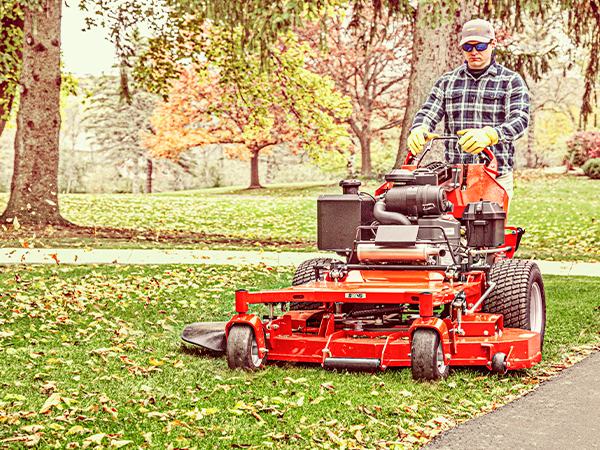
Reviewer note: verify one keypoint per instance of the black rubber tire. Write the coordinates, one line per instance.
(305, 273)
(519, 295)
(427, 356)
(242, 350)
(499, 364)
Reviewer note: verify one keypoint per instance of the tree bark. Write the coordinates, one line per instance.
(148, 185)
(34, 188)
(531, 159)
(135, 181)
(365, 154)
(435, 51)
(254, 181)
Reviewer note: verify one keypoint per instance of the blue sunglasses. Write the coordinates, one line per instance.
(479, 47)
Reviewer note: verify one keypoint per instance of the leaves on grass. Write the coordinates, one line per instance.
(86, 353)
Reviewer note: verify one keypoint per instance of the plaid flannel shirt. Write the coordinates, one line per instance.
(499, 99)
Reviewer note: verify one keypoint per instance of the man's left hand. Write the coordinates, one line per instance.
(474, 140)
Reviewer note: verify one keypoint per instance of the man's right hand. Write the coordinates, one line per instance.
(417, 138)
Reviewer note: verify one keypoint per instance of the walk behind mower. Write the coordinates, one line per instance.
(427, 280)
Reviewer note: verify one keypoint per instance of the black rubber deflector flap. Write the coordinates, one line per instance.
(210, 335)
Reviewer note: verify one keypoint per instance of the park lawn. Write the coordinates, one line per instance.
(560, 213)
(91, 357)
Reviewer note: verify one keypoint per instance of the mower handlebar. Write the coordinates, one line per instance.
(491, 164)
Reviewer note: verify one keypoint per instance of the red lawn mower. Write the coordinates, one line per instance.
(427, 280)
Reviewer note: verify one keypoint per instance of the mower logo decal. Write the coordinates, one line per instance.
(355, 295)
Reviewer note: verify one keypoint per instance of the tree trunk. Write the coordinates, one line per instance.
(254, 181)
(270, 169)
(148, 185)
(435, 51)
(531, 159)
(135, 181)
(34, 189)
(365, 154)
(351, 165)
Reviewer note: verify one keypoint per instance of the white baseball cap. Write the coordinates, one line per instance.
(478, 30)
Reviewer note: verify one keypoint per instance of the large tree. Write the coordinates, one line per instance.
(434, 52)
(289, 105)
(370, 63)
(34, 188)
(114, 125)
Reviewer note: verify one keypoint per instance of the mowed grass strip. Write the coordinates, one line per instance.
(560, 213)
(91, 357)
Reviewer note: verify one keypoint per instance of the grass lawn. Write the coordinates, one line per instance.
(561, 215)
(90, 357)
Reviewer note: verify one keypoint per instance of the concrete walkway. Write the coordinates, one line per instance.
(140, 257)
(562, 413)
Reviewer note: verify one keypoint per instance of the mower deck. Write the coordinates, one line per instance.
(337, 341)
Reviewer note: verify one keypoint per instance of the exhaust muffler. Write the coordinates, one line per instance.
(376, 253)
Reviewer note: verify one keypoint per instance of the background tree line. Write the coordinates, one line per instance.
(255, 48)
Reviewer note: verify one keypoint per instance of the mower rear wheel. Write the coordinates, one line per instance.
(427, 355)
(242, 349)
(519, 295)
(305, 273)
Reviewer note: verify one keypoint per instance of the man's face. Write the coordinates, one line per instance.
(479, 59)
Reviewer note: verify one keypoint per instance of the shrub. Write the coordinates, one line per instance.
(592, 168)
(583, 146)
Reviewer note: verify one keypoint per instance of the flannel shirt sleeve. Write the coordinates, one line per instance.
(432, 111)
(517, 108)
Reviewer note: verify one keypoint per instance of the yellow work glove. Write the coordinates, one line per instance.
(418, 137)
(474, 140)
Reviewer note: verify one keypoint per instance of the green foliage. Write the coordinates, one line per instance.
(308, 102)
(114, 124)
(104, 342)
(592, 168)
(582, 146)
(11, 35)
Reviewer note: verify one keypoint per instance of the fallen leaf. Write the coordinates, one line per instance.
(32, 428)
(119, 444)
(52, 401)
(96, 438)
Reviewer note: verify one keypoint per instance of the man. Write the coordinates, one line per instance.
(481, 101)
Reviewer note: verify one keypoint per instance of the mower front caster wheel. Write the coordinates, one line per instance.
(427, 356)
(499, 366)
(242, 349)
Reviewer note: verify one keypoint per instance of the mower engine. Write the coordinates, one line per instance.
(409, 222)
